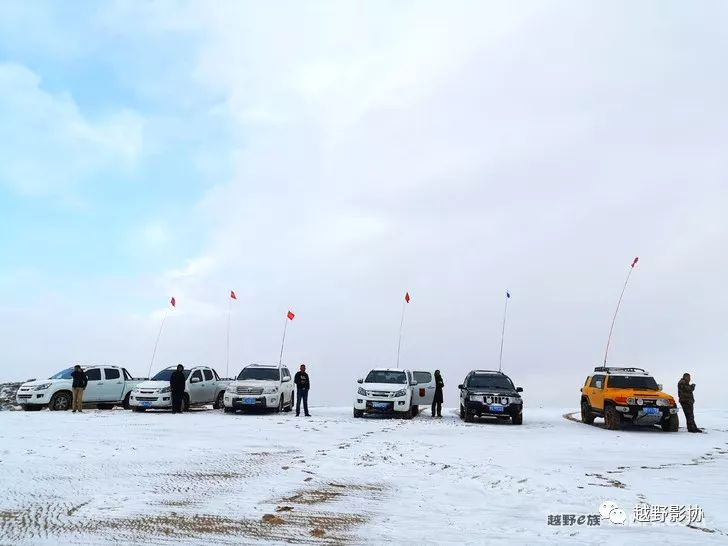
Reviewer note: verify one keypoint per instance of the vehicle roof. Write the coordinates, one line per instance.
(265, 366)
(487, 372)
(188, 367)
(613, 370)
(388, 370)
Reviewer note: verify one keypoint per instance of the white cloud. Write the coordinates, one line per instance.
(49, 146)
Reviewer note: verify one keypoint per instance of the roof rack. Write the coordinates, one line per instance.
(487, 371)
(612, 369)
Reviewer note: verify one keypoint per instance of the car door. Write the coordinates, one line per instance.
(596, 392)
(196, 387)
(287, 385)
(425, 389)
(208, 380)
(95, 385)
(113, 386)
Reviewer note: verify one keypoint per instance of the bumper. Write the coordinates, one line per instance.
(493, 410)
(151, 401)
(383, 406)
(32, 399)
(241, 401)
(641, 415)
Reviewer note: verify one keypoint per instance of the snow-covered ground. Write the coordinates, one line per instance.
(212, 478)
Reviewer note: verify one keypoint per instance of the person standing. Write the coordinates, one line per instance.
(177, 385)
(687, 401)
(80, 380)
(437, 400)
(303, 384)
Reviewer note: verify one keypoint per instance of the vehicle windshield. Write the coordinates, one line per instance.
(632, 382)
(386, 376)
(500, 382)
(166, 373)
(260, 374)
(65, 374)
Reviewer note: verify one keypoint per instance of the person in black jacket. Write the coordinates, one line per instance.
(303, 383)
(687, 401)
(80, 380)
(437, 400)
(177, 385)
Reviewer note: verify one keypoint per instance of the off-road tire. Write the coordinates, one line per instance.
(587, 416)
(61, 401)
(105, 406)
(281, 404)
(462, 412)
(125, 404)
(517, 419)
(672, 424)
(415, 410)
(611, 418)
(228, 410)
(219, 401)
(409, 414)
(289, 407)
(469, 416)
(358, 413)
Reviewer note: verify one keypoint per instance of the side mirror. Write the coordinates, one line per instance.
(360, 380)
(599, 384)
(413, 383)
(659, 386)
(286, 379)
(461, 386)
(519, 389)
(195, 380)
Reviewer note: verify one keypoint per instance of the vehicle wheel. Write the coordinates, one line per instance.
(586, 413)
(408, 414)
(279, 409)
(219, 401)
(289, 407)
(32, 408)
(517, 419)
(469, 417)
(671, 424)
(186, 402)
(105, 406)
(611, 418)
(139, 410)
(462, 412)
(415, 410)
(61, 401)
(358, 413)
(228, 410)
(125, 404)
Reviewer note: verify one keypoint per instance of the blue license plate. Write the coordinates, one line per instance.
(249, 401)
(496, 409)
(380, 405)
(146, 404)
(649, 411)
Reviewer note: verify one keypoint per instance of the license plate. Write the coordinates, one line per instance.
(496, 409)
(146, 404)
(649, 411)
(249, 401)
(380, 405)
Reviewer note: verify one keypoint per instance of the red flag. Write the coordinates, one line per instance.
(634, 263)
(232, 295)
(407, 297)
(173, 302)
(291, 316)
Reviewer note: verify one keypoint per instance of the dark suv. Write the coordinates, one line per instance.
(486, 393)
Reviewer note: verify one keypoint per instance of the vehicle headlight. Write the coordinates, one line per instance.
(517, 400)
(42, 387)
(663, 402)
(631, 401)
(475, 397)
(401, 392)
(270, 390)
(361, 391)
(164, 390)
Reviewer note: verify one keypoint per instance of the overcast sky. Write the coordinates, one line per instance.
(326, 157)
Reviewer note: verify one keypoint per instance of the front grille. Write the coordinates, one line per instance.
(25, 396)
(148, 391)
(249, 390)
(648, 402)
(26, 389)
(147, 398)
(497, 400)
(380, 394)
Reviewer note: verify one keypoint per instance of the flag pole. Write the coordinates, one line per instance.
(283, 342)
(156, 343)
(401, 324)
(227, 356)
(503, 331)
(619, 302)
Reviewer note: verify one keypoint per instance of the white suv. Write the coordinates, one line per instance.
(260, 386)
(394, 391)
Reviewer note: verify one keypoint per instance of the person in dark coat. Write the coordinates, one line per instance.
(437, 400)
(177, 385)
(80, 380)
(687, 401)
(303, 384)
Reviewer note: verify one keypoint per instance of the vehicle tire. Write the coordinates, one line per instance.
(462, 412)
(186, 402)
(281, 404)
(611, 418)
(105, 406)
(358, 413)
(219, 401)
(517, 419)
(228, 410)
(469, 417)
(408, 414)
(61, 401)
(289, 407)
(32, 408)
(139, 410)
(586, 413)
(415, 410)
(125, 404)
(671, 424)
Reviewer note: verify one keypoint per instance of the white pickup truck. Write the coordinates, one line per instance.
(394, 391)
(202, 386)
(108, 386)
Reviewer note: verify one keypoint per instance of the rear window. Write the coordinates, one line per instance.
(208, 375)
(422, 377)
(632, 382)
(111, 373)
